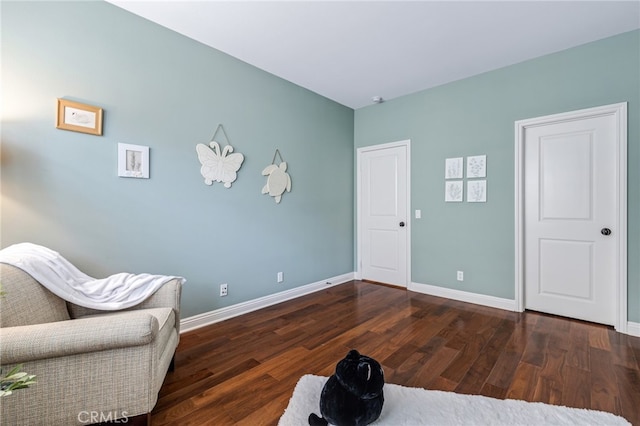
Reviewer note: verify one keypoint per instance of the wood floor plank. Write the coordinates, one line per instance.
(628, 381)
(548, 390)
(536, 348)
(242, 371)
(504, 369)
(468, 354)
(578, 354)
(604, 390)
(431, 369)
(635, 347)
(476, 377)
(576, 389)
(598, 338)
(523, 385)
(493, 391)
(200, 382)
(405, 371)
(622, 351)
(549, 387)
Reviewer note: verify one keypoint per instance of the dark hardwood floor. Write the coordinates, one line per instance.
(243, 370)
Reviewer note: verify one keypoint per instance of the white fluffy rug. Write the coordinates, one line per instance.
(414, 406)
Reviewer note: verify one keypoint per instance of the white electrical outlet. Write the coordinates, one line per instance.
(223, 290)
(280, 277)
(460, 276)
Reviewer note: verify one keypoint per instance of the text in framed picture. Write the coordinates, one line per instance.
(133, 161)
(79, 117)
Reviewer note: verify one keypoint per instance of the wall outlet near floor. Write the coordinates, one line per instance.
(280, 277)
(223, 289)
(460, 276)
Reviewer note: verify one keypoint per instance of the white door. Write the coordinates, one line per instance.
(571, 229)
(383, 213)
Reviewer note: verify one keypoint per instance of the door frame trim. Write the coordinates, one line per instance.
(359, 152)
(619, 111)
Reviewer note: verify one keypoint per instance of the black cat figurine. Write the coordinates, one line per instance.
(353, 395)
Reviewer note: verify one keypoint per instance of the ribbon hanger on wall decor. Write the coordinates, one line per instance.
(220, 127)
(277, 153)
(218, 165)
(278, 180)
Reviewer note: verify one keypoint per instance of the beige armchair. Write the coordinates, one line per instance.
(91, 366)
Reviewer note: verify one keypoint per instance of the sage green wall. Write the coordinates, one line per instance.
(476, 116)
(168, 92)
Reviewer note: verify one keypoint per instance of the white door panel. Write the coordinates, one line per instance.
(380, 256)
(566, 168)
(574, 280)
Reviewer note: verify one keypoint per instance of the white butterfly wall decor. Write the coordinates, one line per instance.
(218, 166)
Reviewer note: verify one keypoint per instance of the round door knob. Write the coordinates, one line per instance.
(401, 224)
(605, 231)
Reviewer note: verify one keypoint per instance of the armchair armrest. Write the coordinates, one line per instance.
(167, 296)
(63, 338)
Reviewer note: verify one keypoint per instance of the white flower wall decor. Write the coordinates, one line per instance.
(453, 191)
(477, 166)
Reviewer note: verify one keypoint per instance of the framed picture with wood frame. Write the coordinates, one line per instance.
(79, 117)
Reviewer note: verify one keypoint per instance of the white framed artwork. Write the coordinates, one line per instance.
(453, 191)
(477, 191)
(477, 166)
(133, 161)
(453, 168)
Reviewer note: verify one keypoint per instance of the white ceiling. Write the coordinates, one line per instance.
(351, 51)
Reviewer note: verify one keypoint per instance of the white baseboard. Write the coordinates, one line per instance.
(465, 296)
(212, 317)
(633, 328)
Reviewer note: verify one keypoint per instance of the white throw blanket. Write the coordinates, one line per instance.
(404, 406)
(53, 271)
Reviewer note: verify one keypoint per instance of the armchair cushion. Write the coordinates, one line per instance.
(22, 291)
